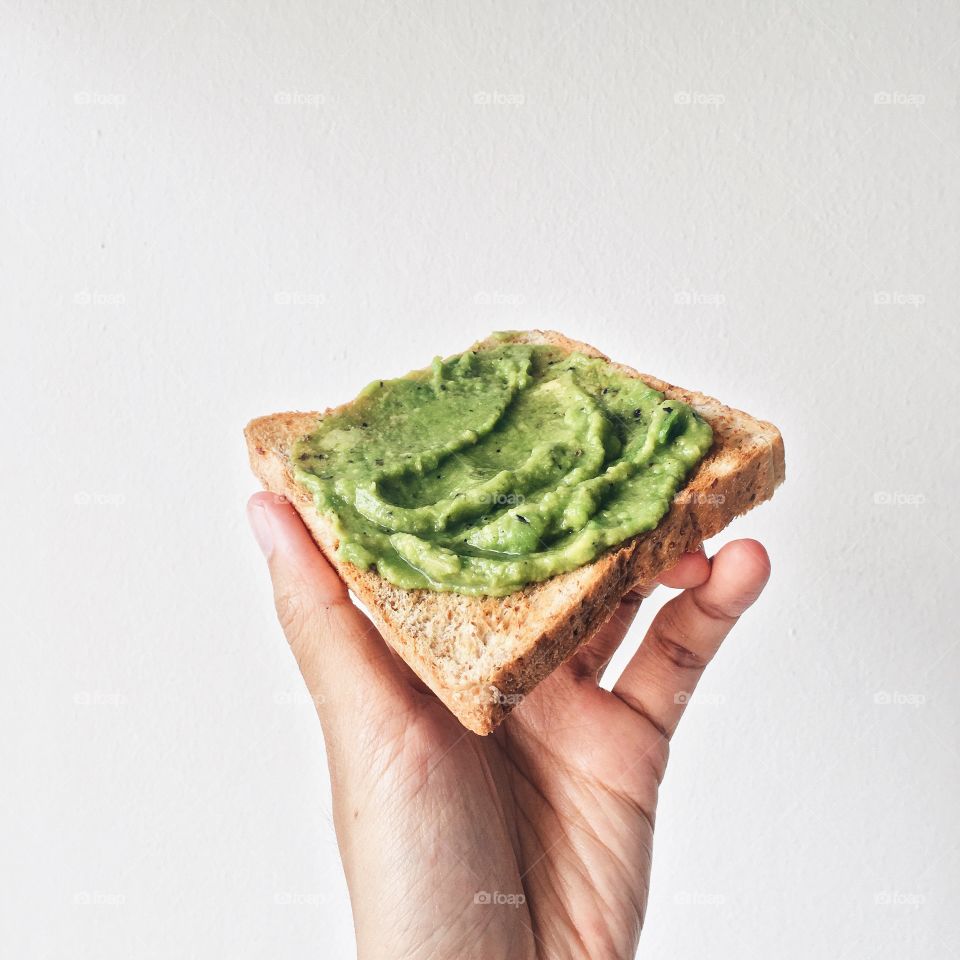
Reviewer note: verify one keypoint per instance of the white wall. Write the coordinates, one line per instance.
(183, 250)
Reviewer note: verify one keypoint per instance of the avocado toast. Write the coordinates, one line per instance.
(482, 653)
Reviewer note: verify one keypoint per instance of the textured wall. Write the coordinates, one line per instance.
(213, 211)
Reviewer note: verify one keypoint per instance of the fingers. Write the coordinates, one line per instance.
(687, 632)
(692, 570)
(590, 661)
(593, 657)
(342, 657)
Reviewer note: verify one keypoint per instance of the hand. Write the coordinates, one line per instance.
(533, 842)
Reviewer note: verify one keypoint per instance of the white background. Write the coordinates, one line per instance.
(211, 212)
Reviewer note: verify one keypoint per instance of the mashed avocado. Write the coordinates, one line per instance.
(498, 467)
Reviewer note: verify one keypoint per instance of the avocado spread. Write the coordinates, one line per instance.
(499, 467)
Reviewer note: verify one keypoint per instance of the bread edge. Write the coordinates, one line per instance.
(597, 588)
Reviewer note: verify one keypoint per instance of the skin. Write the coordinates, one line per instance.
(551, 816)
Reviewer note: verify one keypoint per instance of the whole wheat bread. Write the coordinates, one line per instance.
(481, 655)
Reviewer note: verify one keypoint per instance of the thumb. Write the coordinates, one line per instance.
(345, 663)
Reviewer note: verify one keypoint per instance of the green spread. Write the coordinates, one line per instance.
(498, 467)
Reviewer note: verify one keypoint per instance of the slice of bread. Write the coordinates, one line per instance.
(481, 655)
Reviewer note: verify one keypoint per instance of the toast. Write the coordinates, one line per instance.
(482, 655)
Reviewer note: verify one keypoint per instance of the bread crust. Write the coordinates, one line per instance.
(482, 655)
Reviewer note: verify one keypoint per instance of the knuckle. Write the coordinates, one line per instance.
(672, 643)
(638, 706)
(714, 611)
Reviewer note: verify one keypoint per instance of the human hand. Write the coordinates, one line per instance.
(533, 842)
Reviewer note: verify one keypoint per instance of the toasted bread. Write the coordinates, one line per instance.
(481, 655)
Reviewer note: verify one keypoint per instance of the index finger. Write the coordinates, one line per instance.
(690, 570)
(687, 632)
(592, 659)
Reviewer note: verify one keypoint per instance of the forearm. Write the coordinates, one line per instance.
(431, 881)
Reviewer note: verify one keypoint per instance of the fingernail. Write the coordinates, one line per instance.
(260, 524)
